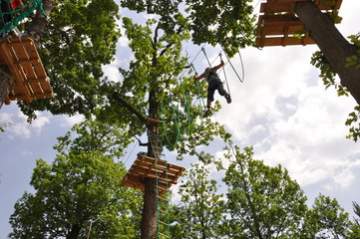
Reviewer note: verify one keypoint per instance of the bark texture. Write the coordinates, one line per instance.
(149, 223)
(5, 84)
(332, 43)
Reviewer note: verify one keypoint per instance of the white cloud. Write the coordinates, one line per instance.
(284, 110)
(72, 120)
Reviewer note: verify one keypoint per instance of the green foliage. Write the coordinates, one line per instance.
(77, 189)
(81, 37)
(92, 135)
(201, 209)
(327, 74)
(353, 123)
(329, 78)
(262, 201)
(355, 227)
(228, 23)
(326, 219)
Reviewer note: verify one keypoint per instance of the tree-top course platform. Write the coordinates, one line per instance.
(29, 79)
(279, 26)
(146, 167)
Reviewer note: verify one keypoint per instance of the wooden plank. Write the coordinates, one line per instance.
(160, 162)
(279, 6)
(145, 173)
(281, 41)
(18, 53)
(159, 168)
(19, 84)
(38, 68)
(282, 29)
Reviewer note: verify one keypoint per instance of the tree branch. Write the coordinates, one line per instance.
(116, 96)
(167, 47)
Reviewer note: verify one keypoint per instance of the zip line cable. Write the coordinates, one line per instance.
(206, 56)
(226, 79)
(242, 67)
(232, 66)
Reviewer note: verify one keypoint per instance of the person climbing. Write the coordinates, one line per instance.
(214, 83)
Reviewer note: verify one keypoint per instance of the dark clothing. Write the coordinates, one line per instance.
(214, 83)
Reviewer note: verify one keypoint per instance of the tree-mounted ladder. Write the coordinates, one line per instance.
(278, 25)
(146, 167)
(29, 78)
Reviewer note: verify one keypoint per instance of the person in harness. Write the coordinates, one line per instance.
(214, 83)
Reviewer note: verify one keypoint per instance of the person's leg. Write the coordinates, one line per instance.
(210, 95)
(223, 92)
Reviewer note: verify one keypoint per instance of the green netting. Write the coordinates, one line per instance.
(11, 18)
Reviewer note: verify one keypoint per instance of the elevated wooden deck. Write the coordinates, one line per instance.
(278, 25)
(30, 81)
(147, 167)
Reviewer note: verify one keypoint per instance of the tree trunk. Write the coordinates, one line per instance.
(149, 216)
(333, 45)
(149, 219)
(5, 85)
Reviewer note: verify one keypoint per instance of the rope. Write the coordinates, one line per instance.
(206, 56)
(232, 66)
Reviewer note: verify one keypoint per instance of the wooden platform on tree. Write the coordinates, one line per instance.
(278, 25)
(30, 80)
(148, 167)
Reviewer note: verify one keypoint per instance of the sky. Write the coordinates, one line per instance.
(282, 109)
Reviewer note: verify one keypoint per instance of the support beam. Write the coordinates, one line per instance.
(332, 43)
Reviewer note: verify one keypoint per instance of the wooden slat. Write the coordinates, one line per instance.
(279, 6)
(281, 29)
(30, 78)
(147, 167)
(281, 41)
(18, 81)
(158, 167)
(151, 174)
(161, 162)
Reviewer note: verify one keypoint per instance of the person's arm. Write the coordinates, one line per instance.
(215, 68)
(200, 76)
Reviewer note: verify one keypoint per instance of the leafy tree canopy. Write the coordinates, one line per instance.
(77, 190)
(152, 87)
(81, 37)
(263, 202)
(228, 23)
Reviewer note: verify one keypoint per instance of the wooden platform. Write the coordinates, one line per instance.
(147, 167)
(278, 25)
(30, 81)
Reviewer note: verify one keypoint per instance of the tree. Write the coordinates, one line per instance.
(228, 23)
(355, 227)
(326, 219)
(201, 210)
(156, 101)
(81, 37)
(262, 202)
(76, 191)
